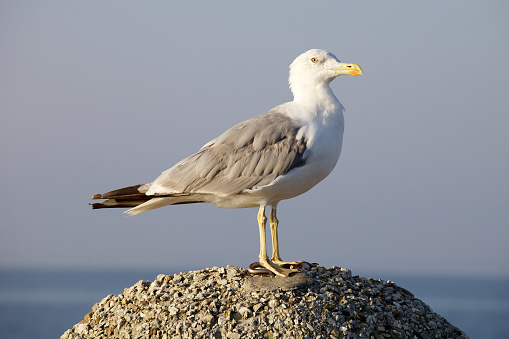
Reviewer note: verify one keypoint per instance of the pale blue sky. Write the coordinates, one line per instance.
(98, 95)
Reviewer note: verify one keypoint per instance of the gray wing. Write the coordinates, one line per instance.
(249, 155)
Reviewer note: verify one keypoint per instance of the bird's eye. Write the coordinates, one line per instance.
(314, 60)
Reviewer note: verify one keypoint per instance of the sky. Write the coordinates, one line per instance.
(99, 95)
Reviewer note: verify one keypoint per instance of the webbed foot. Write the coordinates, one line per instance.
(294, 264)
(268, 267)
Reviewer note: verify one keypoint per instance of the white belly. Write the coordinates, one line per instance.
(323, 153)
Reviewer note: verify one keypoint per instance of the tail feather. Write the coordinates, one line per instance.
(131, 197)
(122, 193)
(124, 197)
(150, 205)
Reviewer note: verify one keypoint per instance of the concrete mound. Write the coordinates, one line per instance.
(229, 303)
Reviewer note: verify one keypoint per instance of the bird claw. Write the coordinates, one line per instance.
(258, 268)
(301, 264)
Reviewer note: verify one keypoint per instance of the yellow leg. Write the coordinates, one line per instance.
(262, 220)
(264, 258)
(273, 230)
(274, 223)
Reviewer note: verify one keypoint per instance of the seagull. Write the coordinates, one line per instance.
(261, 161)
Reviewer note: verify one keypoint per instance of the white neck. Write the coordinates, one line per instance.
(318, 97)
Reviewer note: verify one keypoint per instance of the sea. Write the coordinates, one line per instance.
(43, 304)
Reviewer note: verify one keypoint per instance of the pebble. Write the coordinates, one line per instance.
(214, 303)
(273, 303)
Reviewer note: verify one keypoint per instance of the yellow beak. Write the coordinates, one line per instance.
(344, 68)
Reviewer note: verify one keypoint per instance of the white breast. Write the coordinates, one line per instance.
(324, 141)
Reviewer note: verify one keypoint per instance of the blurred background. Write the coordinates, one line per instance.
(99, 95)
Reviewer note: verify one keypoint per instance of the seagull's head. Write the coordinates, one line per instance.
(316, 67)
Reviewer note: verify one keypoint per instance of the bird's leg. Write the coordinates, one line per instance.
(262, 220)
(264, 258)
(274, 223)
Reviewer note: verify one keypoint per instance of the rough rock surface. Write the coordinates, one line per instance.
(229, 303)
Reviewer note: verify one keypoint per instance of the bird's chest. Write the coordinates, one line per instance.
(324, 143)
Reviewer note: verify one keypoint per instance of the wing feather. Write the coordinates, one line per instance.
(249, 155)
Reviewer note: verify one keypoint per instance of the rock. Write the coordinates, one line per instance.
(173, 310)
(267, 283)
(257, 307)
(229, 303)
(81, 329)
(232, 335)
(221, 321)
(245, 312)
(273, 303)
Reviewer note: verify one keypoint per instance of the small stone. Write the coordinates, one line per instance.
(245, 312)
(139, 285)
(173, 310)
(207, 318)
(88, 316)
(418, 311)
(396, 313)
(81, 329)
(273, 303)
(257, 307)
(233, 335)
(221, 321)
(231, 272)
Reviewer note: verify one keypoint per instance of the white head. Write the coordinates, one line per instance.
(315, 69)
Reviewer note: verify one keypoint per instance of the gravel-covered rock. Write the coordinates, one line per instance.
(229, 303)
